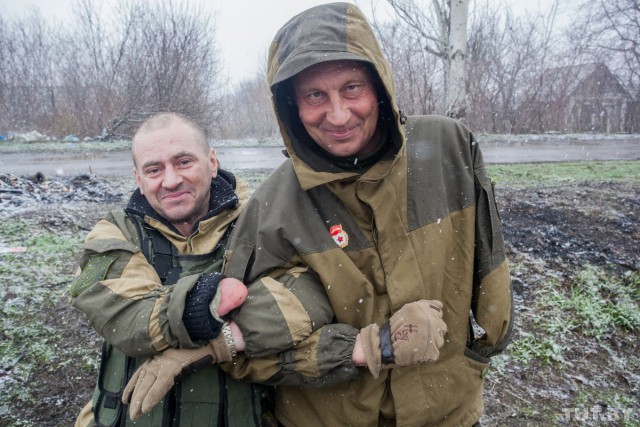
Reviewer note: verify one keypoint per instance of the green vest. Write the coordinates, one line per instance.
(206, 398)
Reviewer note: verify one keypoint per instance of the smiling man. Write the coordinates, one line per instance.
(387, 210)
(150, 283)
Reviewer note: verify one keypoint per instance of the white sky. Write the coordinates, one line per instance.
(245, 27)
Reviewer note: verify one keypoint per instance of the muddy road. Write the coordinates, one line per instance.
(118, 163)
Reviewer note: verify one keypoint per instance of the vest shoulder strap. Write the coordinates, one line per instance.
(156, 248)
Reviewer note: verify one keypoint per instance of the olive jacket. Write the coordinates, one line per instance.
(144, 288)
(420, 223)
(121, 292)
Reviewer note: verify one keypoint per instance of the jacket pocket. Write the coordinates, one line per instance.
(488, 217)
(481, 361)
(94, 271)
(477, 362)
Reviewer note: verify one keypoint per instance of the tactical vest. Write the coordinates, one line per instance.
(206, 398)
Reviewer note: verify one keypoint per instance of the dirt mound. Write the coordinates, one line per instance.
(574, 225)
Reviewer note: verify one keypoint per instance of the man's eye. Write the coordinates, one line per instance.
(185, 162)
(353, 89)
(315, 97)
(152, 172)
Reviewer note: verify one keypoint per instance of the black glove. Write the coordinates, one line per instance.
(201, 321)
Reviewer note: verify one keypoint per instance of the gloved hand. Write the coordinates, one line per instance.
(412, 335)
(155, 377)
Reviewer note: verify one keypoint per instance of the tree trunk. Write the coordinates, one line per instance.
(456, 93)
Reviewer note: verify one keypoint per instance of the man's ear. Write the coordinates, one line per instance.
(136, 175)
(213, 161)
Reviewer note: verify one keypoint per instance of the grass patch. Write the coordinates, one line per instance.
(533, 348)
(570, 172)
(596, 304)
(30, 340)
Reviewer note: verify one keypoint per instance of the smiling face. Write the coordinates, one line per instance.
(338, 106)
(173, 170)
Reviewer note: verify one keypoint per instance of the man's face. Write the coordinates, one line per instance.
(338, 106)
(173, 170)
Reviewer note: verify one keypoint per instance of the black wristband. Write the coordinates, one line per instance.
(386, 347)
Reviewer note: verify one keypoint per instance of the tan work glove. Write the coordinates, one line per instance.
(412, 335)
(155, 377)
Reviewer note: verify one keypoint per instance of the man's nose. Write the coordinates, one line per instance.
(338, 114)
(172, 178)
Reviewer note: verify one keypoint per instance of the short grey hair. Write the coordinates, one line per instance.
(163, 120)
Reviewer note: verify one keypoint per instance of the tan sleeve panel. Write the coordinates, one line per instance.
(305, 357)
(140, 277)
(256, 370)
(301, 361)
(155, 331)
(298, 320)
(494, 306)
(104, 230)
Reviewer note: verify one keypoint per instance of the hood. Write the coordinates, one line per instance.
(336, 31)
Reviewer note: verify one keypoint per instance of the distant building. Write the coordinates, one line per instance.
(593, 99)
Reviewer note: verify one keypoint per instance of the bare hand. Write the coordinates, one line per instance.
(233, 293)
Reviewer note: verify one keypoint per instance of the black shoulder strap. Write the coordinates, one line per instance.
(163, 255)
(158, 251)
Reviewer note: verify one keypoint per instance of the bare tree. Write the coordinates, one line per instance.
(612, 29)
(26, 78)
(417, 84)
(177, 45)
(441, 30)
(617, 30)
(107, 71)
(146, 58)
(88, 71)
(507, 59)
(248, 111)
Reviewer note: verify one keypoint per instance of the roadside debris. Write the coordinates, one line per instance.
(27, 191)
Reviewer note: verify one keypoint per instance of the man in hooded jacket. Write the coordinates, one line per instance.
(384, 215)
(376, 212)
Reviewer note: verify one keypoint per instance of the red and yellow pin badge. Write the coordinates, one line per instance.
(339, 235)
